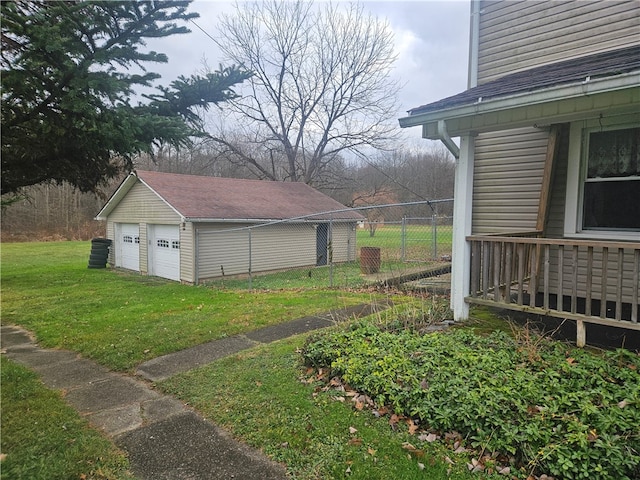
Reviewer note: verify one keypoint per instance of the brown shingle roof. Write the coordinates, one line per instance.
(575, 70)
(232, 199)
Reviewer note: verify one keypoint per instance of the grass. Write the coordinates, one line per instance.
(43, 438)
(122, 319)
(258, 395)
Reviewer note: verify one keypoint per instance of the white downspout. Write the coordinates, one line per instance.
(444, 137)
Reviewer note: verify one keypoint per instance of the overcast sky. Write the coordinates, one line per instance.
(431, 40)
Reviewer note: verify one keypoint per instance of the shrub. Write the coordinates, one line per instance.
(563, 411)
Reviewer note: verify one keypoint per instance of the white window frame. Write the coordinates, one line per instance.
(576, 175)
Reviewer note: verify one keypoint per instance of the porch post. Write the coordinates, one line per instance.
(461, 250)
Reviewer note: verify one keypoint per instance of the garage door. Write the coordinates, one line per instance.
(165, 251)
(128, 246)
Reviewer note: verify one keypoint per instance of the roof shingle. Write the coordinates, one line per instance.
(603, 64)
(232, 199)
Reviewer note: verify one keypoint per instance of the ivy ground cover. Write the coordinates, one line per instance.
(535, 406)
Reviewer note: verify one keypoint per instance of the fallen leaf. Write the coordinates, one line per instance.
(348, 470)
(571, 360)
(371, 451)
(359, 405)
(352, 430)
(448, 460)
(412, 449)
(623, 404)
(421, 466)
(339, 399)
(355, 441)
(424, 385)
(413, 428)
(258, 384)
(504, 471)
(430, 437)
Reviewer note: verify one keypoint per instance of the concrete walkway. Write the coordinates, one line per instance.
(163, 438)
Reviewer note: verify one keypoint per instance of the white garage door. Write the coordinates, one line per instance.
(164, 251)
(128, 246)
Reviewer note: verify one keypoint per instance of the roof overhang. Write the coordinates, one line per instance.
(119, 194)
(126, 185)
(557, 104)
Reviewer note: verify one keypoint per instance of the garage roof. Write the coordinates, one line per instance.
(203, 198)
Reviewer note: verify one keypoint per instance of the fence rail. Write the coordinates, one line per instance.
(588, 281)
(324, 250)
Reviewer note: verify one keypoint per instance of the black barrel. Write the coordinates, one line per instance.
(99, 252)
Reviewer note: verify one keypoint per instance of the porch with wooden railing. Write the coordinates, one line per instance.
(584, 280)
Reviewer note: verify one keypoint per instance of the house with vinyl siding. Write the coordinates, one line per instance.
(193, 228)
(547, 188)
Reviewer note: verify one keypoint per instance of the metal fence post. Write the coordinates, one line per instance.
(330, 250)
(434, 234)
(403, 238)
(250, 277)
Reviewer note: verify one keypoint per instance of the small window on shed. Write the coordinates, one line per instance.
(162, 243)
(136, 240)
(127, 239)
(175, 244)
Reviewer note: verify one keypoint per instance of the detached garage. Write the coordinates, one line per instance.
(191, 228)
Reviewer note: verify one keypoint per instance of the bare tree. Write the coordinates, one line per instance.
(321, 87)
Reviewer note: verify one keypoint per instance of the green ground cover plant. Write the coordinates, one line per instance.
(43, 438)
(536, 405)
(121, 319)
(264, 397)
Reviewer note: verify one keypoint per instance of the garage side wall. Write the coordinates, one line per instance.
(224, 249)
(143, 207)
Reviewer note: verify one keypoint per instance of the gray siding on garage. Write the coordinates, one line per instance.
(187, 257)
(226, 248)
(520, 35)
(344, 242)
(507, 180)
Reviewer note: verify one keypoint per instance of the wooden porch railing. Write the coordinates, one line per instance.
(584, 280)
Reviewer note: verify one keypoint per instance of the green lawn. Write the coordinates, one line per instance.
(44, 439)
(259, 396)
(121, 319)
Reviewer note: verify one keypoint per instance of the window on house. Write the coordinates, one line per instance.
(611, 188)
(175, 244)
(127, 239)
(163, 243)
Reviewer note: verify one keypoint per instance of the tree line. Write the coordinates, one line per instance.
(306, 95)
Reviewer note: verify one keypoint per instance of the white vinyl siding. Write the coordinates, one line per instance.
(142, 206)
(520, 35)
(507, 180)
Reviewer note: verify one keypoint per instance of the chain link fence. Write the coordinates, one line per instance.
(380, 244)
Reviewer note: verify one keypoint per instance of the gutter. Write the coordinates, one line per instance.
(585, 88)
